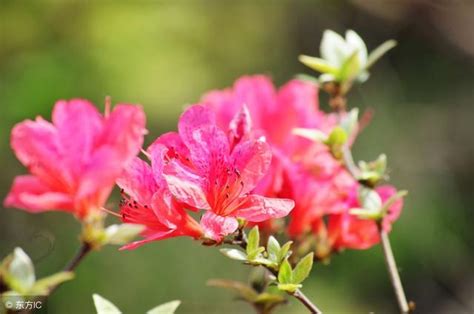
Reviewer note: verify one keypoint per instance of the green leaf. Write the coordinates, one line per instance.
(289, 287)
(266, 297)
(338, 136)
(254, 256)
(350, 68)
(386, 206)
(285, 274)
(317, 64)
(273, 249)
(311, 134)
(104, 306)
(42, 286)
(378, 52)
(253, 240)
(285, 251)
(20, 271)
(234, 254)
(165, 308)
(303, 268)
(246, 292)
(122, 234)
(370, 199)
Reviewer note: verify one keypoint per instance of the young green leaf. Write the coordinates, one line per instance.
(273, 249)
(285, 251)
(303, 268)
(350, 68)
(104, 306)
(42, 286)
(253, 240)
(317, 64)
(378, 52)
(234, 254)
(285, 274)
(289, 287)
(20, 271)
(165, 308)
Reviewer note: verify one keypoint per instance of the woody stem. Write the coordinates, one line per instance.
(393, 272)
(392, 269)
(83, 251)
(241, 241)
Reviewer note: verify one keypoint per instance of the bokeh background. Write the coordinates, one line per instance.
(165, 54)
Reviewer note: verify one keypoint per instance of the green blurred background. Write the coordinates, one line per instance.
(166, 54)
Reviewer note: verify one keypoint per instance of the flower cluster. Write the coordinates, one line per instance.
(304, 170)
(235, 156)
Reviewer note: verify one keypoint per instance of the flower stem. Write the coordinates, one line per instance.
(241, 240)
(84, 249)
(298, 294)
(393, 272)
(81, 253)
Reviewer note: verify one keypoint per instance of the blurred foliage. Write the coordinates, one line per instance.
(166, 54)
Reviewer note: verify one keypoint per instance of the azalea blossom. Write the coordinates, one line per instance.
(345, 230)
(217, 171)
(147, 201)
(75, 159)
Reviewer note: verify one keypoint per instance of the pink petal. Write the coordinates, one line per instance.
(241, 124)
(79, 127)
(216, 227)
(36, 146)
(137, 181)
(29, 193)
(209, 148)
(259, 94)
(258, 208)
(193, 118)
(252, 159)
(173, 142)
(299, 101)
(98, 179)
(124, 130)
(185, 185)
(161, 235)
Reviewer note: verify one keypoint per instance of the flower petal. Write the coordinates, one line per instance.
(252, 159)
(258, 208)
(29, 193)
(36, 146)
(193, 118)
(137, 181)
(161, 235)
(216, 227)
(76, 147)
(185, 185)
(124, 130)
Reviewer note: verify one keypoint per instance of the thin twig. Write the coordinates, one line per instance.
(304, 299)
(385, 242)
(393, 272)
(78, 257)
(241, 240)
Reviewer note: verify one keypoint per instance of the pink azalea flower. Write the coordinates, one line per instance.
(301, 169)
(75, 160)
(150, 203)
(210, 169)
(348, 231)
